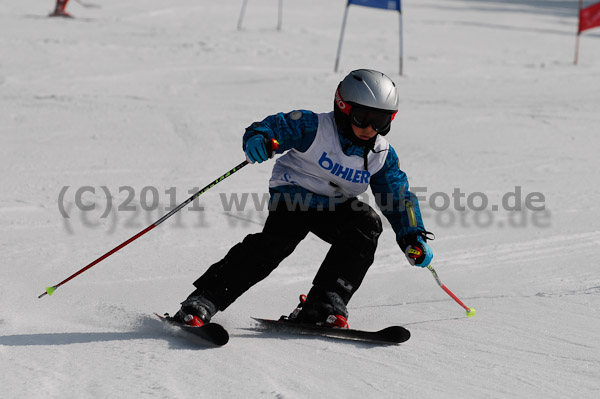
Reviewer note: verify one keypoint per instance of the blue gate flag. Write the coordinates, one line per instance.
(381, 4)
(385, 4)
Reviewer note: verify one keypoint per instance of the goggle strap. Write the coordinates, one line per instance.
(341, 104)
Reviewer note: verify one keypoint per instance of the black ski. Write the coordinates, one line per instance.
(212, 333)
(388, 336)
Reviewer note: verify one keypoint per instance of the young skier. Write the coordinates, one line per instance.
(59, 10)
(329, 159)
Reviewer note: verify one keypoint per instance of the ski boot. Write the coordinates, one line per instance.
(328, 310)
(196, 311)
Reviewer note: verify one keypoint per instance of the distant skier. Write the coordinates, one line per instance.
(329, 159)
(59, 10)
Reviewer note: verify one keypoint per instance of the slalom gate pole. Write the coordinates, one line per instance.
(272, 146)
(470, 311)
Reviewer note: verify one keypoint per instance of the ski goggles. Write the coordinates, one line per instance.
(365, 117)
(378, 120)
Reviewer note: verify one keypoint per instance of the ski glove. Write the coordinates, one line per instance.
(416, 250)
(256, 149)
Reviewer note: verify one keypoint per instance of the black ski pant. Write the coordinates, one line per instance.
(352, 229)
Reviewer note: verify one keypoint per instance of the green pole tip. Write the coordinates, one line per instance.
(50, 290)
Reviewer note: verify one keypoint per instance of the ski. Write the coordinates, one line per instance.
(388, 336)
(211, 333)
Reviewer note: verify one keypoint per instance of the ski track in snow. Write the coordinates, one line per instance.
(140, 94)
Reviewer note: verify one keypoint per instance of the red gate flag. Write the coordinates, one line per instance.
(589, 17)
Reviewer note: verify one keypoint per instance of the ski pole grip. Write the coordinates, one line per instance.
(272, 146)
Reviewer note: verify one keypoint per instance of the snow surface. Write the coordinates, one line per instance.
(148, 93)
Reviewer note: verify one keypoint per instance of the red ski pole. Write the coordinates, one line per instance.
(50, 290)
(470, 311)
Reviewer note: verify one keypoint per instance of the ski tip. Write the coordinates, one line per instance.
(215, 334)
(396, 334)
(219, 334)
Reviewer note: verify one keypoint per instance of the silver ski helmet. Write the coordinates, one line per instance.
(365, 97)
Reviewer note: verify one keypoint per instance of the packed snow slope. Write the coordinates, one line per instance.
(137, 102)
